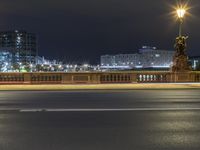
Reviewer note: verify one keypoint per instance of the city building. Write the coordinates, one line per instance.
(127, 60)
(150, 57)
(21, 44)
(195, 62)
(107, 60)
(147, 57)
(44, 61)
(5, 60)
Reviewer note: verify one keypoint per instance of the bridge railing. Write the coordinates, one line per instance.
(98, 77)
(152, 77)
(116, 78)
(11, 78)
(45, 78)
(197, 78)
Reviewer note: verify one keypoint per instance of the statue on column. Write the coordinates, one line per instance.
(180, 60)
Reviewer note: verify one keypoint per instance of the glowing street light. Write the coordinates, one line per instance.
(31, 67)
(180, 60)
(180, 13)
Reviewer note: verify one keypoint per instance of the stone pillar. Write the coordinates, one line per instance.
(67, 78)
(96, 78)
(133, 77)
(27, 78)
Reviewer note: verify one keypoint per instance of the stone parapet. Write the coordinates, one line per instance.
(99, 77)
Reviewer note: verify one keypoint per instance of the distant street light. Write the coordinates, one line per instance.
(31, 67)
(180, 13)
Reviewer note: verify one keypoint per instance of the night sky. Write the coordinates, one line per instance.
(82, 30)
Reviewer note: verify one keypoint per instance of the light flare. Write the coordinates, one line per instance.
(180, 12)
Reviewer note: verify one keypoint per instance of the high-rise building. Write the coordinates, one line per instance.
(5, 60)
(21, 44)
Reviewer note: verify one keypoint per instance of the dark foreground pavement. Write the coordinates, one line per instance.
(108, 128)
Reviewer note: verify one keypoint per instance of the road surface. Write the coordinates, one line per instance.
(100, 120)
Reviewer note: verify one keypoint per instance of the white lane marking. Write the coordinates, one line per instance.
(31, 110)
(118, 109)
(97, 109)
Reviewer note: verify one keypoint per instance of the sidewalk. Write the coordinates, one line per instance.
(134, 86)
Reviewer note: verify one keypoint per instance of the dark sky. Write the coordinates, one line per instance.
(82, 30)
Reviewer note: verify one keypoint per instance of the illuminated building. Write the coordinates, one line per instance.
(151, 57)
(147, 57)
(5, 60)
(21, 44)
(107, 60)
(195, 62)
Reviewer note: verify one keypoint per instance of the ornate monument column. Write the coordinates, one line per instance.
(180, 60)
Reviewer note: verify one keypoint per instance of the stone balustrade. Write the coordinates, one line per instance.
(99, 77)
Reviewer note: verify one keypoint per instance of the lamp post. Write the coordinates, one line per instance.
(180, 60)
(180, 13)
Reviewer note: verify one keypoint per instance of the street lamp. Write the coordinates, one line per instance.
(180, 59)
(180, 13)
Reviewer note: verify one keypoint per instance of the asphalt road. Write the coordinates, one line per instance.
(100, 120)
